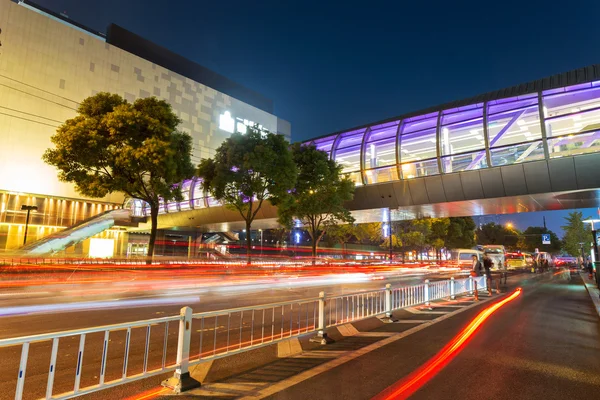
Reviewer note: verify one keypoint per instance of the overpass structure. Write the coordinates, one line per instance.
(530, 147)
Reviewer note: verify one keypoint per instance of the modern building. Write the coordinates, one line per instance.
(49, 63)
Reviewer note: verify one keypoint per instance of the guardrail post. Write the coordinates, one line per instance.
(470, 285)
(321, 337)
(452, 289)
(181, 380)
(388, 305)
(427, 292)
(475, 290)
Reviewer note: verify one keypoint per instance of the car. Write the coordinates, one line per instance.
(519, 260)
(565, 261)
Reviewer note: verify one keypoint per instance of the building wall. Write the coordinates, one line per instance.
(47, 67)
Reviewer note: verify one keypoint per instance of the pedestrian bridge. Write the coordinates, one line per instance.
(530, 147)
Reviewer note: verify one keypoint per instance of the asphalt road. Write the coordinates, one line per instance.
(26, 319)
(545, 344)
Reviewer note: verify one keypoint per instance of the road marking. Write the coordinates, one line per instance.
(417, 311)
(411, 321)
(287, 383)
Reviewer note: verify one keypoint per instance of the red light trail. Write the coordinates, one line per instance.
(404, 388)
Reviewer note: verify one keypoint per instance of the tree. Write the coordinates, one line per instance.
(576, 234)
(461, 233)
(318, 198)
(247, 170)
(116, 146)
(532, 239)
(438, 234)
(496, 234)
(369, 233)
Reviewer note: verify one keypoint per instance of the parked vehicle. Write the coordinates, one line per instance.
(519, 260)
(565, 261)
(496, 253)
(463, 258)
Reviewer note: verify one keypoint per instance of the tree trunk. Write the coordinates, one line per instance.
(248, 243)
(153, 229)
(314, 250)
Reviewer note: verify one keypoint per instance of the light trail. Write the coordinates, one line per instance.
(413, 382)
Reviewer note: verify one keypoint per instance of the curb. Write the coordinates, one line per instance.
(592, 291)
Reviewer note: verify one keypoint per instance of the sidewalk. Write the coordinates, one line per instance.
(543, 345)
(592, 289)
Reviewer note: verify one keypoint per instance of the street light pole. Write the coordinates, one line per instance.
(261, 242)
(28, 209)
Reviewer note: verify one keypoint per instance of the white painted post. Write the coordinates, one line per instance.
(427, 292)
(470, 285)
(183, 341)
(22, 369)
(321, 337)
(452, 289)
(182, 381)
(388, 300)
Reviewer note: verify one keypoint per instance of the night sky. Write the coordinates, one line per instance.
(331, 66)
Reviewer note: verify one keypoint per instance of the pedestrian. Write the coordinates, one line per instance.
(487, 265)
(590, 268)
(477, 268)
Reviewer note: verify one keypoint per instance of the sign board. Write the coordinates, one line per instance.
(546, 238)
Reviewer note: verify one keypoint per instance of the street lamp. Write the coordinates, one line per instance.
(509, 225)
(261, 242)
(28, 209)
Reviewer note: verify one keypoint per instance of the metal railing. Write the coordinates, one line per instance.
(214, 334)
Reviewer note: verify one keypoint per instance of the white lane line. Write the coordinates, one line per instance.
(411, 321)
(287, 383)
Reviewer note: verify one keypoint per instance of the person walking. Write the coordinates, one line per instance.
(590, 268)
(487, 265)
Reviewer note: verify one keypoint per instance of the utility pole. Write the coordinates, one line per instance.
(390, 233)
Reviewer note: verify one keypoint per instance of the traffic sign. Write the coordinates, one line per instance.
(546, 238)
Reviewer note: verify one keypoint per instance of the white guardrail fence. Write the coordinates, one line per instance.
(161, 345)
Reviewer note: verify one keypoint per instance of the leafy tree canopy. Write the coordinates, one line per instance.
(318, 198)
(116, 146)
(247, 170)
(532, 239)
(461, 233)
(576, 234)
(496, 234)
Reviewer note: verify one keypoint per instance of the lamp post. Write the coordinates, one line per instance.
(28, 209)
(261, 242)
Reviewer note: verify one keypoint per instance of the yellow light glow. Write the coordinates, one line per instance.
(102, 248)
(509, 225)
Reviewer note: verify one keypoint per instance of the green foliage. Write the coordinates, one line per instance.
(438, 232)
(369, 233)
(339, 234)
(396, 243)
(496, 234)
(532, 239)
(576, 233)
(116, 146)
(318, 197)
(461, 233)
(248, 169)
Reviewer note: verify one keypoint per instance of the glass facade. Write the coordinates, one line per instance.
(490, 134)
(487, 134)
